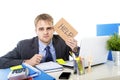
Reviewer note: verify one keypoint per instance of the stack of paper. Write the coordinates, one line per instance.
(49, 66)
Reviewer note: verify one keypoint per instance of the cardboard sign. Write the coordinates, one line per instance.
(64, 29)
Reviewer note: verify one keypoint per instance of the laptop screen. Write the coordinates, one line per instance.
(94, 49)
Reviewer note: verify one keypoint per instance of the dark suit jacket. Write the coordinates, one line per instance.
(28, 48)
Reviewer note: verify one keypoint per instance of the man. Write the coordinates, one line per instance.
(32, 51)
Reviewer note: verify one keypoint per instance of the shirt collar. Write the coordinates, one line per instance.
(43, 46)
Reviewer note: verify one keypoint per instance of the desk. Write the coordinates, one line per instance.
(99, 72)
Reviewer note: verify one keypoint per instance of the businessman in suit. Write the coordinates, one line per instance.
(32, 51)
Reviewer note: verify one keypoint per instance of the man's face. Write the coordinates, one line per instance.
(44, 31)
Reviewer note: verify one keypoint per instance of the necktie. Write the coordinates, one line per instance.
(48, 56)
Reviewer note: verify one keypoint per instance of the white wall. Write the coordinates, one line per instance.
(17, 17)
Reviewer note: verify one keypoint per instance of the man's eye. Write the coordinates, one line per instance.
(49, 28)
(41, 29)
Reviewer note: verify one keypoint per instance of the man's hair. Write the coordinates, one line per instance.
(45, 17)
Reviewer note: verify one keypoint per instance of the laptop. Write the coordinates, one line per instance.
(94, 49)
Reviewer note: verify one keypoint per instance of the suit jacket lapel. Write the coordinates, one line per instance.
(35, 46)
(57, 48)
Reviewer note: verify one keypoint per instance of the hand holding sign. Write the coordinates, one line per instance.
(72, 43)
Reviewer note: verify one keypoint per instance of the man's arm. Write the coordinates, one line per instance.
(11, 58)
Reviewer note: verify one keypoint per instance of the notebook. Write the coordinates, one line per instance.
(94, 49)
(49, 66)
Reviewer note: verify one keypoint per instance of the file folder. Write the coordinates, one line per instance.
(41, 75)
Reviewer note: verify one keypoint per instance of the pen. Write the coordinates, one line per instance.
(74, 62)
(72, 54)
(89, 63)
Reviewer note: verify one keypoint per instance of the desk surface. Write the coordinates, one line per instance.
(106, 71)
(99, 72)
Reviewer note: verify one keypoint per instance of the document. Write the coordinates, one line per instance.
(49, 66)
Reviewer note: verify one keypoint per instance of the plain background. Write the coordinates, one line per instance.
(17, 17)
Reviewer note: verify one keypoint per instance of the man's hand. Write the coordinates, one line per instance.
(72, 43)
(34, 60)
